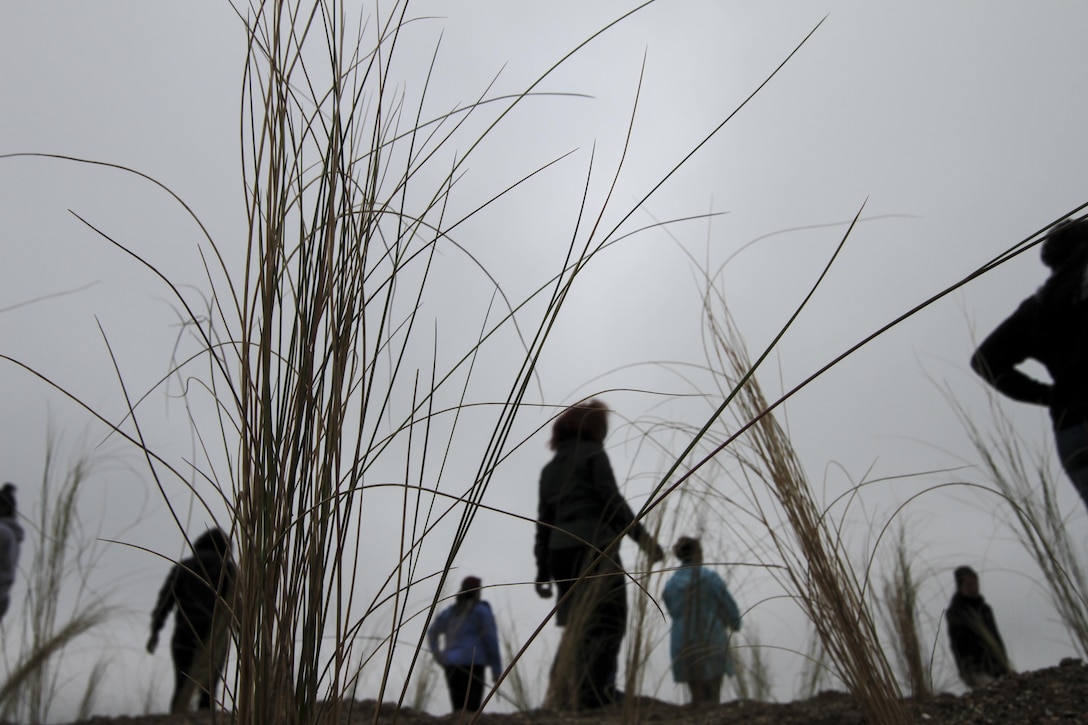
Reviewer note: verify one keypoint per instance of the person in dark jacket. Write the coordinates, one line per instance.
(580, 522)
(464, 640)
(972, 631)
(1051, 327)
(202, 589)
(11, 538)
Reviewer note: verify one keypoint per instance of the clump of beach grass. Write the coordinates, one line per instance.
(900, 602)
(752, 678)
(1023, 475)
(812, 561)
(61, 559)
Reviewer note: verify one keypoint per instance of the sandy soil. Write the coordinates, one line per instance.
(1054, 695)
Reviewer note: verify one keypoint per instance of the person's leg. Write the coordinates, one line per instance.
(713, 691)
(566, 566)
(604, 637)
(1072, 444)
(214, 652)
(475, 689)
(457, 679)
(200, 674)
(568, 669)
(182, 651)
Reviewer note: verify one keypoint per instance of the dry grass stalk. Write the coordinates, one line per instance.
(901, 609)
(753, 676)
(60, 558)
(1024, 478)
(815, 672)
(518, 687)
(817, 569)
(336, 272)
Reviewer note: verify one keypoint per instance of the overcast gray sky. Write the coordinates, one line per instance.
(957, 126)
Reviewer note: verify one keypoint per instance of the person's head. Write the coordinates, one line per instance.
(470, 589)
(688, 550)
(587, 421)
(966, 581)
(7, 500)
(213, 540)
(1066, 242)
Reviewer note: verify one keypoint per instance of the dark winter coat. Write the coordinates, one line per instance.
(11, 537)
(580, 504)
(196, 586)
(1052, 328)
(976, 643)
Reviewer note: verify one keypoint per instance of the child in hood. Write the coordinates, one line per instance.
(703, 613)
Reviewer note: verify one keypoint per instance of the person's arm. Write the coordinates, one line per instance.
(728, 611)
(7, 560)
(545, 520)
(616, 510)
(165, 603)
(1005, 348)
(490, 643)
(438, 625)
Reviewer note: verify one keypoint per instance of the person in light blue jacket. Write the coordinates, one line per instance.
(464, 640)
(703, 614)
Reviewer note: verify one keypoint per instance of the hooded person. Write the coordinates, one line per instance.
(703, 615)
(972, 632)
(465, 642)
(1050, 327)
(201, 587)
(11, 538)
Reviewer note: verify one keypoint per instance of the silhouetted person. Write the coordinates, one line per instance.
(976, 645)
(703, 613)
(11, 537)
(464, 640)
(202, 589)
(1051, 327)
(581, 514)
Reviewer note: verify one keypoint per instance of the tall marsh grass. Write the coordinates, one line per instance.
(812, 561)
(1024, 476)
(58, 556)
(901, 611)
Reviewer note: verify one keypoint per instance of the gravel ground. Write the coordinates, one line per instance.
(1055, 695)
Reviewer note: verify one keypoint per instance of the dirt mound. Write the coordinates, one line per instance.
(1054, 695)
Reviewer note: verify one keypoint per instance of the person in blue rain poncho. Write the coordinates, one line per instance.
(703, 615)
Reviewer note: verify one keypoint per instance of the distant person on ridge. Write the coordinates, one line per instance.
(465, 641)
(11, 537)
(972, 631)
(202, 589)
(703, 614)
(1051, 327)
(582, 514)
